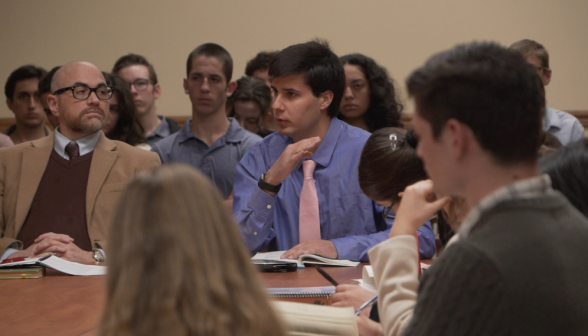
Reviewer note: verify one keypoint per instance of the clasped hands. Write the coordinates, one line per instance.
(60, 245)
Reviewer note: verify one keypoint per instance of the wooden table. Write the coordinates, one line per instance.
(59, 304)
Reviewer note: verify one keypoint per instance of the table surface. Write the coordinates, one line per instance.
(59, 304)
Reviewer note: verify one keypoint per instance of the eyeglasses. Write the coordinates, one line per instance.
(387, 211)
(82, 92)
(539, 69)
(140, 84)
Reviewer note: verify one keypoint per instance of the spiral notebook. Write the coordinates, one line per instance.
(314, 295)
(303, 319)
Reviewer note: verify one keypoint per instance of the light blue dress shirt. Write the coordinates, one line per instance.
(564, 126)
(348, 218)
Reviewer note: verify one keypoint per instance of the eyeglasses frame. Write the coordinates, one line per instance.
(72, 88)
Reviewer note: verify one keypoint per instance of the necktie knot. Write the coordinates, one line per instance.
(308, 168)
(73, 150)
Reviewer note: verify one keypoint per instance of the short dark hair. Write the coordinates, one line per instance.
(529, 47)
(251, 89)
(489, 88)
(567, 169)
(134, 59)
(385, 110)
(20, 74)
(127, 128)
(261, 61)
(45, 82)
(321, 68)
(216, 51)
(383, 170)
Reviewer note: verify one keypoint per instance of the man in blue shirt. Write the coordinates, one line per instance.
(564, 126)
(308, 82)
(209, 141)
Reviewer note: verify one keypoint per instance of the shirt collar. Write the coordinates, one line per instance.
(324, 152)
(87, 144)
(551, 120)
(162, 129)
(235, 134)
(523, 189)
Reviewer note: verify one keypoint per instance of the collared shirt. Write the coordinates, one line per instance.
(86, 144)
(564, 126)
(348, 218)
(217, 161)
(160, 132)
(524, 189)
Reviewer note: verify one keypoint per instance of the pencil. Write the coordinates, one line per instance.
(326, 276)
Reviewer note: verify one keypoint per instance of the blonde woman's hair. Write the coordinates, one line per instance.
(177, 264)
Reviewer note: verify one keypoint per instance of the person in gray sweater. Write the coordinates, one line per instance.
(518, 266)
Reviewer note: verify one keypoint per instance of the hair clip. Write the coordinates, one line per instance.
(394, 141)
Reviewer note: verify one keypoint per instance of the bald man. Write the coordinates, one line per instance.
(58, 194)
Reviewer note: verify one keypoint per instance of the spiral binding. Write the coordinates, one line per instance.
(304, 295)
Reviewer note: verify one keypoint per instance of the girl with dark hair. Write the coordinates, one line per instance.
(251, 105)
(122, 124)
(369, 101)
(388, 169)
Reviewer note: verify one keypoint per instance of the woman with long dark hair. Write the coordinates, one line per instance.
(370, 101)
(122, 124)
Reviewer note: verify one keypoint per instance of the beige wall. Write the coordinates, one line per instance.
(398, 34)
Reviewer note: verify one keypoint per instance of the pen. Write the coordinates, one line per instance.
(368, 303)
(45, 257)
(326, 276)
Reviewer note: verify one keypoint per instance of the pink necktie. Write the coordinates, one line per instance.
(309, 223)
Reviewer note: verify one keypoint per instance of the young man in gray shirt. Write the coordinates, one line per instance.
(209, 141)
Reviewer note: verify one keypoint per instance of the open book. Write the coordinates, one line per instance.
(69, 267)
(305, 259)
(305, 319)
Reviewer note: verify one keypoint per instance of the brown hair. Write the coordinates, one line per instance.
(251, 89)
(134, 59)
(384, 171)
(529, 47)
(475, 84)
(178, 265)
(212, 50)
(261, 61)
(127, 128)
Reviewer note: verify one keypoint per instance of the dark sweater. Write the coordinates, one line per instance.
(521, 271)
(59, 204)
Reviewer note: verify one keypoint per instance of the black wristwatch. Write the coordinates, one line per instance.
(266, 186)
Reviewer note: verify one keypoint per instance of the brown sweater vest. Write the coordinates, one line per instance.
(59, 205)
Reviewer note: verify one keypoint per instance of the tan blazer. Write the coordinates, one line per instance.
(114, 164)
